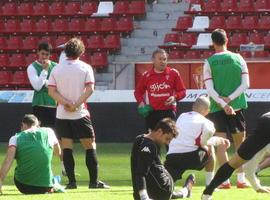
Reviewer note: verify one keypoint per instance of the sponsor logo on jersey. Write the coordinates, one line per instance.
(157, 87)
(146, 149)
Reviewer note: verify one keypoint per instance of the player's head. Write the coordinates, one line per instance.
(201, 105)
(165, 131)
(219, 38)
(29, 121)
(44, 51)
(159, 58)
(74, 48)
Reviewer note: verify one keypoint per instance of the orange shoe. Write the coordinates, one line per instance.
(242, 185)
(225, 186)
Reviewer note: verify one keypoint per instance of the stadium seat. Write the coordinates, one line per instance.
(25, 9)
(49, 39)
(174, 55)
(41, 8)
(188, 39)
(54, 57)
(264, 22)
(108, 25)
(27, 26)
(61, 40)
(171, 37)
(261, 54)
(76, 25)
(2, 25)
(20, 79)
(217, 22)
(30, 43)
(60, 25)
(256, 38)
(207, 54)
(194, 5)
(112, 42)
(95, 42)
(10, 9)
(89, 7)
(212, 6)
(86, 57)
(5, 78)
(4, 61)
(3, 43)
(43, 26)
(99, 60)
(17, 61)
(14, 43)
(204, 40)
(234, 22)
(72, 8)
(30, 58)
(267, 40)
(12, 26)
(121, 7)
(250, 22)
(229, 6)
(200, 23)
(124, 24)
(104, 9)
(184, 23)
(57, 8)
(137, 8)
(93, 25)
(193, 55)
(237, 39)
(261, 5)
(245, 54)
(245, 6)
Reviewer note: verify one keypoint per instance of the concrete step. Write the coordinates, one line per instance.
(132, 59)
(144, 42)
(161, 24)
(170, 7)
(133, 51)
(144, 33)
(163, 15)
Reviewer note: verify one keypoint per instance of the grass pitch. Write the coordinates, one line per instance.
(115, 170)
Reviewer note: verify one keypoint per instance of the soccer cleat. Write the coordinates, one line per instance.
(190, 181)
(71, 186)
(244, 185)
(225, 186)
(99, 185)
(206, 197)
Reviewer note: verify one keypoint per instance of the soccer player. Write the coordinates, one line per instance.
(150, 179)
(255, 142)
(161, 88)
(33, 149)
(44, 106)
(226, 78)
(192, 148)
(71, 83)
(264, 164)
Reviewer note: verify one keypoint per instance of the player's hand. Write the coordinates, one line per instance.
(45, 64)
(226, 99)
(70, 107)
(171, 100)
(264, 190)
(229, 110)
(141, 105)
(226, 143)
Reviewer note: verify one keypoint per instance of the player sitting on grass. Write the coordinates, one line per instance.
(33, 149)
(192, 148)
(150, 179)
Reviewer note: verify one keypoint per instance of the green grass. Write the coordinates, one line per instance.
(115, 170)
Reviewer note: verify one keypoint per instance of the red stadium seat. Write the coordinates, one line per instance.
(217, 22)
(245, 5)
(60, 25)
(229, 5)
(12, 26)
(4, 60)
(267, 40)
(3, 43)
(121, 7)
(54, 57)
(41, 8)
(264, 22)
(184, 23)
(50, 40)
(171, 37)
(92, 25)
(28, 26)
(76, 25)
(261, 54)
(2, 25)
(246, 54)
(237, 39)
(262, 5)
(193, 55)
(25, 9)
(30, 58)
(234, 22)
(10, 9)
(256, 38)
(86, 57)
(112, 42)
(207, 54)
(95, 42)
(14, 43)
(212, 6)
(61, 40)
(137, 8)
(73, 8)
(188, 39)
(99, 60)
(17, 61)
(20, 79)
(250, 22)
(57, 8)
(5, 78)
(44, 26)
(89, 7)
(125, 24)
(30, 43)
(108, 25)
(174, 55)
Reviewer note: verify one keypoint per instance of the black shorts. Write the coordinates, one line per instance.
(155, 116)
(228, 123)
(29, 189)
(178, 163)
(46, 115)
(257, 140)
(75, 129)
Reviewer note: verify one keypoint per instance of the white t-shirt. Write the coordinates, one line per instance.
(192, 128)
(51, 137)
(70, 78)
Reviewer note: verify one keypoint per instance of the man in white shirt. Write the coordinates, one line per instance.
(192, 148)
(71, 83)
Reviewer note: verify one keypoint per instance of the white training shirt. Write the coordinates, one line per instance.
(70, 78)
(52, 140)
(194, 131)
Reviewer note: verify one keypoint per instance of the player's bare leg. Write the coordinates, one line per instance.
(210, 166)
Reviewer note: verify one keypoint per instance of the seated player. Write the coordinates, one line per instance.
(150, 179)
(192, 148)
(33, 149)
(251, 146)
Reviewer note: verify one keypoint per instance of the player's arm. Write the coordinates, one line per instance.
(140, 90)
(36, 81)
(180, 89)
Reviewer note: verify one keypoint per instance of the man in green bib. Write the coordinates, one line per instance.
(33, 149)
(44, 107)
(226, 78)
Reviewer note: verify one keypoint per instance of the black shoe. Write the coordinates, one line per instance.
(189, 184)
(99, 185)
(71, 186)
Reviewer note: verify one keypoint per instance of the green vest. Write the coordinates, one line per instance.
(34, 156)
(41, 97)
(227, 77)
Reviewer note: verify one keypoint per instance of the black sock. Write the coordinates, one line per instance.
(69, 165)
(223, 173)
(92, 165)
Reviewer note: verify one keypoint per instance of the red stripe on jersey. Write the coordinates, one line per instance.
(198, 140)
(12, 145)
(207, 79)
(88, 83)
(51, 85)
